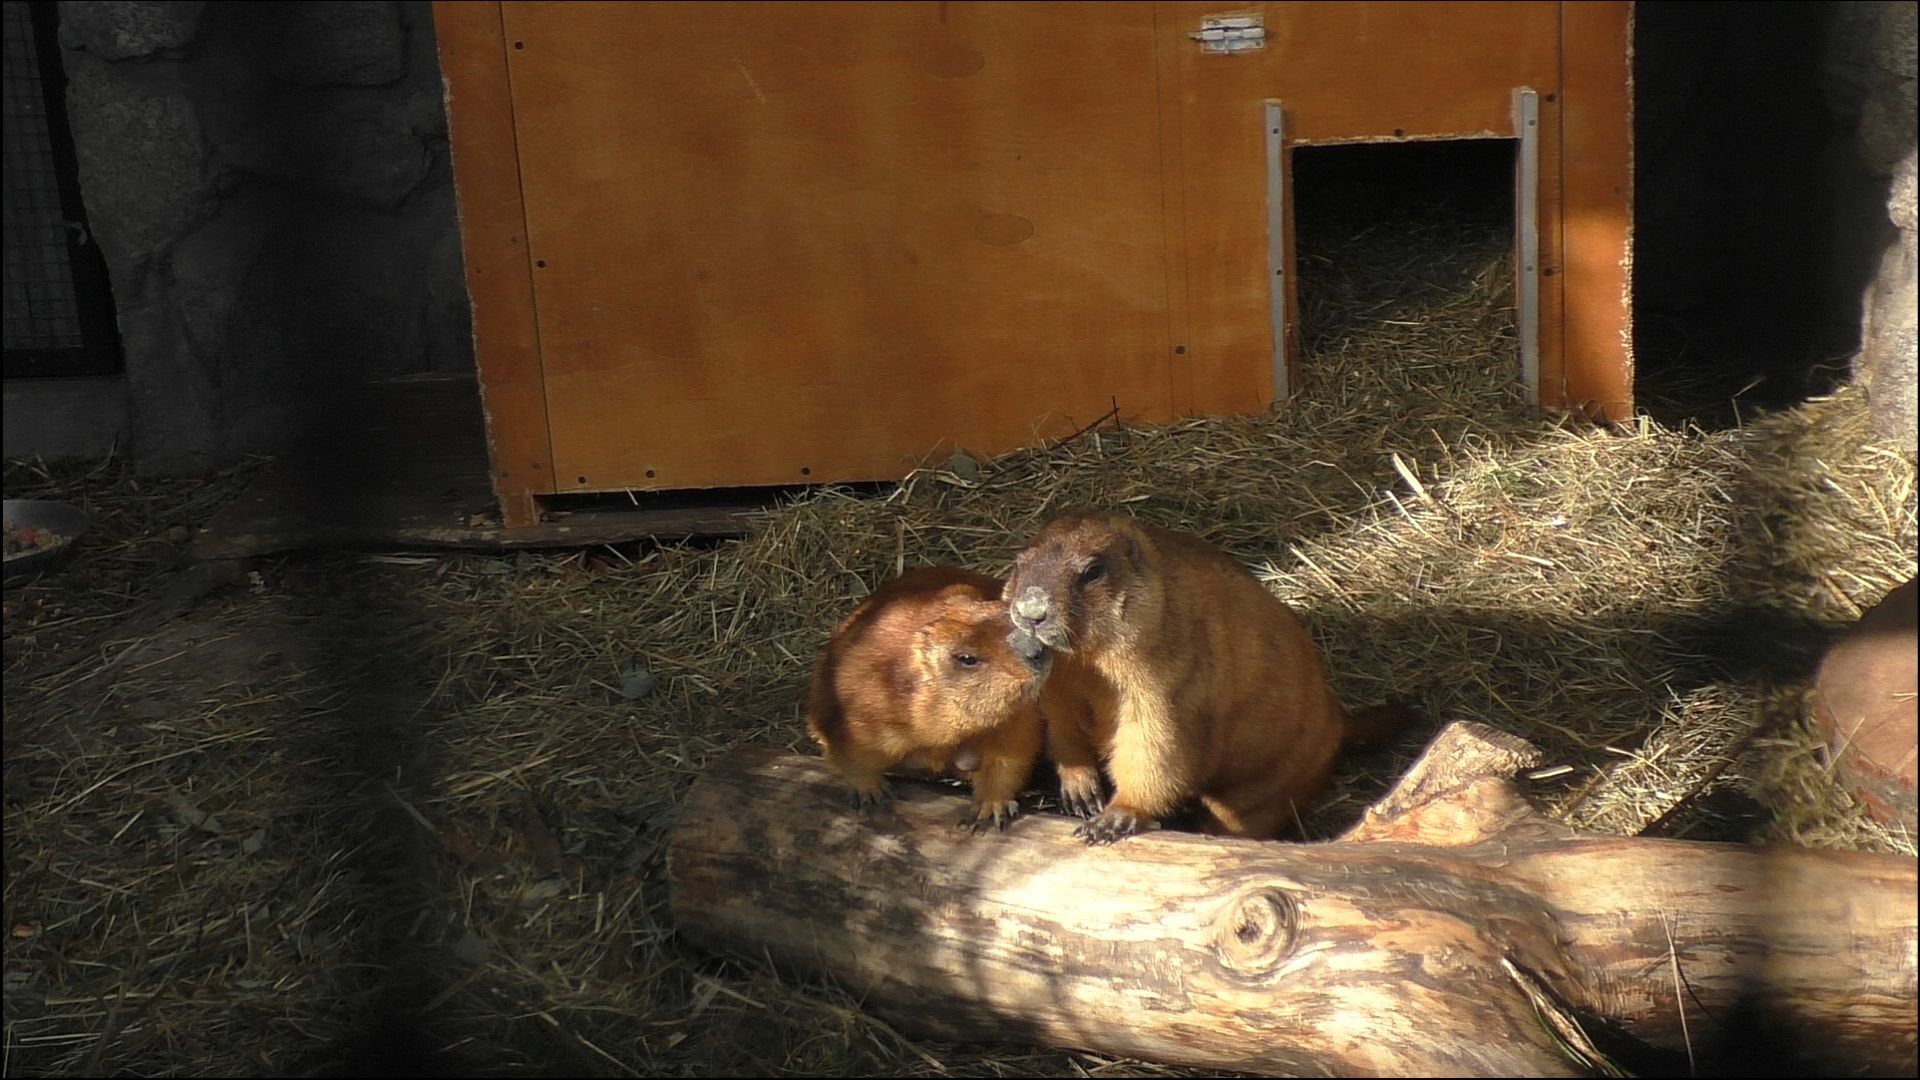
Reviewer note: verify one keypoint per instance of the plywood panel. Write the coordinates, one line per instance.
(1597, 215)
(786, 242)
(473, 61)
(783, 242)
(1345, 72)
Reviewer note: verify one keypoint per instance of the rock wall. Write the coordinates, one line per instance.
(1871, 66)
(270, 186)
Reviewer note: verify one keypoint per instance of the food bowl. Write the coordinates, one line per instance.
(47, 529)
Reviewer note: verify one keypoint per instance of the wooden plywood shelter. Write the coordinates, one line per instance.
(742, 244)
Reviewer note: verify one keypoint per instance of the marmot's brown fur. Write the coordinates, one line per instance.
(1179, 672)
(922, 673)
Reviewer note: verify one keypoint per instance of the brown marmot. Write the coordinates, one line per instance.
(1178, 671)
(922, 672)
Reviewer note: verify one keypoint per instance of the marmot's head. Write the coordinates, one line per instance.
(923, 662)
(970, 676)
(1073, 581)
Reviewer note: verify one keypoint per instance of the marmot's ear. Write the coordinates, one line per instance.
(1131, 553)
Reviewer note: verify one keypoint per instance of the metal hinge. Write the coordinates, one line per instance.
(1231, 33)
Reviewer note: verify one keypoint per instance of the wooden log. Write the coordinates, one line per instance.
(1454, 931)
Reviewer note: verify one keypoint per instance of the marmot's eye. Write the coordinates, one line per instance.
(1095, 570)
(966, 659)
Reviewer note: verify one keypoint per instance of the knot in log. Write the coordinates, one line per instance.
(1256, 932)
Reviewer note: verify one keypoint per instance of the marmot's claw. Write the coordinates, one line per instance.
(999, 815)
(1108, 827)
(1081, 802)
(864, 801)
(1080, 792)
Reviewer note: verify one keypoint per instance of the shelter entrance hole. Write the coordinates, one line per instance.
(1405, 267)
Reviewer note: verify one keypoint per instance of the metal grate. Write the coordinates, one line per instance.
(50, 322)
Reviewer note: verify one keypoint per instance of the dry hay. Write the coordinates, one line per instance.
(379, 783)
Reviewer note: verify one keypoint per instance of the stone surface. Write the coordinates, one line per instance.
(1883, 46)
(342, 42)
(65, 418)
(173, 398)
(142, 160)
(276, 209)
(348, 150)
(118, 29)
(1871, 56)
(287, 302)
(1865, 702)
(449, 311)
(1889, 361)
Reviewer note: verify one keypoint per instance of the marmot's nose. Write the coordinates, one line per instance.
(1030, 649)
(1032, 608)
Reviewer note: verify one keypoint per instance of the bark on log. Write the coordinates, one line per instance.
(1453, 931)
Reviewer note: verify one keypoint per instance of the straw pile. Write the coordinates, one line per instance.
(365, 786)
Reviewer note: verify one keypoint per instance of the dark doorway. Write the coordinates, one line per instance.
(1404, 234)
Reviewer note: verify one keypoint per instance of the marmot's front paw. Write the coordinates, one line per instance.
(868, 799)
(1110, 826)
(999, 815)
(1080, 791)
